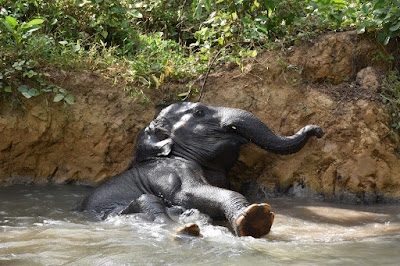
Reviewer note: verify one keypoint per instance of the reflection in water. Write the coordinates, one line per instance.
(37, 227)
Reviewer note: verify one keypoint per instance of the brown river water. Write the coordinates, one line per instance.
(37, 227)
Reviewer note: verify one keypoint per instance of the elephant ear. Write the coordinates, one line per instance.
(153, 141)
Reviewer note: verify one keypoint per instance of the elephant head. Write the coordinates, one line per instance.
(212, 135)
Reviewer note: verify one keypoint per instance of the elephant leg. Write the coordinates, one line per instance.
(149, 204)
(246, 219)
(153, 205)
(256, 220)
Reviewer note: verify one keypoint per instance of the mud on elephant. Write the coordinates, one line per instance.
(182, 159)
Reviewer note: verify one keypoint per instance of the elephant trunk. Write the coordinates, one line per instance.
(252, 128)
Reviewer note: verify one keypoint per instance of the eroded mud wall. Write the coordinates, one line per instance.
(93, 139)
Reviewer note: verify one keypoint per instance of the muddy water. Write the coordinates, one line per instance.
(38, 228)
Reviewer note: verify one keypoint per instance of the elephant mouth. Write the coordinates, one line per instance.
(232, 132)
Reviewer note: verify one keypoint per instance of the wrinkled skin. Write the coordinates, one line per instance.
(182, 159)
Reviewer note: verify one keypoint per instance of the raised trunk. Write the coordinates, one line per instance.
(252, 128)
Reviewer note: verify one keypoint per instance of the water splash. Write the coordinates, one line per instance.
(38, 227)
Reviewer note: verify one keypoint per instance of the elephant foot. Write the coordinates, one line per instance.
(256, 221)
(190, 229)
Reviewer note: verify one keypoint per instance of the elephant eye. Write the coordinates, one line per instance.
(199, 112)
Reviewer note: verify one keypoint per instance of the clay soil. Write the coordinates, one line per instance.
(331, 81)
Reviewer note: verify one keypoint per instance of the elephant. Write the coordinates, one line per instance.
(182, 158)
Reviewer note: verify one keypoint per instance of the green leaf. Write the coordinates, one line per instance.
(29, 32)
(8, 89)
(379, 11)
(246, 20)
(8, 27)
(11, 21)
(381, 37)
(351, 10)
(76, 47)
(69, 99)
(72, 19)
(23, 88)
(361, 30)
(365, 8)
(183, 94)
(395, 27)
(207, 5)
(36, 21)
(104, 33)
(341, 2)
(26, 94)
(58, 97)
(30, 74)
(261, 27)
(53, 21)
(197, 9)
(261, 18)
(31, 63)
(32, 92)
(387, 39)
(135, 13)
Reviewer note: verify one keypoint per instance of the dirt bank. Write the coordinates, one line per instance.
(89, 141)
(331, 81)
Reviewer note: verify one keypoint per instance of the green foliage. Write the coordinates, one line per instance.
(264, 23)
(149, 41)
(21, 31)
(383, 15)
(261, 20)
(90, 21)
(391, 97)
(17, 69)
(16, 74)
(109, 20)
(62, 95)
(381, 57)
(171, 17)
(157, 59)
